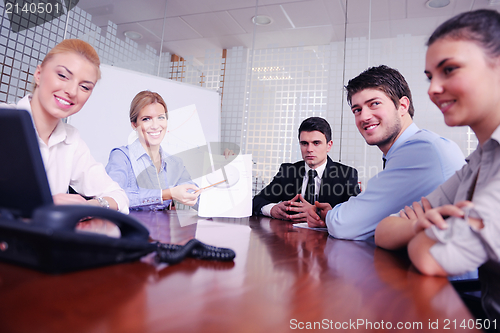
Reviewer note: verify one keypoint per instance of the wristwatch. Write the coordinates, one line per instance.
(103, 202)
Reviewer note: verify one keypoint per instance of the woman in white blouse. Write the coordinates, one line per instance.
(63, 83)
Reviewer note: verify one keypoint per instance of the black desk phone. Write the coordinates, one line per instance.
(37, 234)
(50, 243)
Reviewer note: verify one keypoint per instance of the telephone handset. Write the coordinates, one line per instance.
(50, 243)
(65, 218)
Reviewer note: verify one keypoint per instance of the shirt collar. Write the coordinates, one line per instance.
(493, 142)
(58, 135)
(496, 135)
(137, 152)
(408, 132)
(319, 169)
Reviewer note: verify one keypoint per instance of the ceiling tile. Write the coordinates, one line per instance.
(358, 11)
(186, 7)
(148, 35)
(397, 9)
(307, 13)
(422, 26)
(244, 18)
(214, 24)
(336, 10)
(127, 11)
(175, 29)
(419, 9)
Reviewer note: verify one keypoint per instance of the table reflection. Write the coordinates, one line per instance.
(280, 273)
(165, 226)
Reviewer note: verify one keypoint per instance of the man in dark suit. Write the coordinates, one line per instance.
(316, 178)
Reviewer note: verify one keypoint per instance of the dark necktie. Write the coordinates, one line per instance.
(383, 164)
(311, 186)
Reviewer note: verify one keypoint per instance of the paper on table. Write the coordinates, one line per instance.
(305, 226)
(228, 199)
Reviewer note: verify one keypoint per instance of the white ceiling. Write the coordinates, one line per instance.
(192, 26)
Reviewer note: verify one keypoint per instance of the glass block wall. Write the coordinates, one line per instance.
(21, 52)
(286, 86)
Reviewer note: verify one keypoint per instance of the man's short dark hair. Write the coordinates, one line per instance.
(383, 78)
(316, 124)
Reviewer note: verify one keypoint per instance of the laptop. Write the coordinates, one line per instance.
(23, 181)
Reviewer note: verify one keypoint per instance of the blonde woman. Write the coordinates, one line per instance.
(63, 83)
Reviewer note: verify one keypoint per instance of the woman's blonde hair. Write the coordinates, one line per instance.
(143, 99)
(76, 46)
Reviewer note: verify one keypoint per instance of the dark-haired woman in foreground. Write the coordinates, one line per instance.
(456, 228)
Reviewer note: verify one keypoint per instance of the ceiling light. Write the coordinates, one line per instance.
(261, 20)
(437, 3)
(134, 35)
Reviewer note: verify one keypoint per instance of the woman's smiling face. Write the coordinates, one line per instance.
(464, 82)
(64, 84)
(151, 125)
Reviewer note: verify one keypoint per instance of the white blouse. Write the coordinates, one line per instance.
(68, 162)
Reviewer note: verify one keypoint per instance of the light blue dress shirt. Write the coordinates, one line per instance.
(131, 167)
(417, 163)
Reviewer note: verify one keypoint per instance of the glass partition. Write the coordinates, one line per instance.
(270, 76)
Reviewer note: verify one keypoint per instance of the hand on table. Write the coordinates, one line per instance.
(313, 219)
(68, 199)
(280, 211)
(300, 206)
(99, 226)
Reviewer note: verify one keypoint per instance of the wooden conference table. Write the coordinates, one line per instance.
(283, 279)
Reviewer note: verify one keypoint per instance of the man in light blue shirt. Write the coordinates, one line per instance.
(415, 161)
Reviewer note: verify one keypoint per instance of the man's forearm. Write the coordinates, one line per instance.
(346, 223)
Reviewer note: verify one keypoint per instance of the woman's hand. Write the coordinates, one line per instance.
(228, 152)
(428, 216)
(77, 199)
(68, 199)
(99, 226)
(186, 194)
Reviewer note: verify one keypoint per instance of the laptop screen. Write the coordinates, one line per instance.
(23, 181)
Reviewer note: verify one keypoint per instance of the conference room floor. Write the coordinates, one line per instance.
(282, 279)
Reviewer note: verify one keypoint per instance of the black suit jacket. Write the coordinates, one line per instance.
(338, 184)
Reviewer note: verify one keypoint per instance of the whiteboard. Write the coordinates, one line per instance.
(104, 121)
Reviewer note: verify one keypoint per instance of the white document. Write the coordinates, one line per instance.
(305, 226)
(232, 196)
